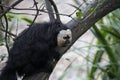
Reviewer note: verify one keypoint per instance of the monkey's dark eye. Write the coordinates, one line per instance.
(66, 37)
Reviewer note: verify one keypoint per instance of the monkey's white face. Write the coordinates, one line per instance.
(64, 38)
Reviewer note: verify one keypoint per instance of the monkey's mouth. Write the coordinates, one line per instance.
(67, 43)
(64, 43)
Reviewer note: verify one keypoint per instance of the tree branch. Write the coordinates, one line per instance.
(79, 27)
(56, 10)
(50, 10)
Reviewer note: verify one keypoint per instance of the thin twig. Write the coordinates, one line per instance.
(9, 8)
(77, 9)
(11, 34)
(2, 25)
(37, 11)
(6, 36)
(23, 13)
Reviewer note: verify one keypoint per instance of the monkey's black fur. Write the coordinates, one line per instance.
(33, 51)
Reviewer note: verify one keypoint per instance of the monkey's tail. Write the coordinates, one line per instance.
(8, 73)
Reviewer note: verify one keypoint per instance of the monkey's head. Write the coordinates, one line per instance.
(64, 38)
(62, 35)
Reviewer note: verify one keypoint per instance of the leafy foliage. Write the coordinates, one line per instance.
(108, 34)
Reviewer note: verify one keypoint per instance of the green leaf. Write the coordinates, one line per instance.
(79, 15)
(27, 19)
